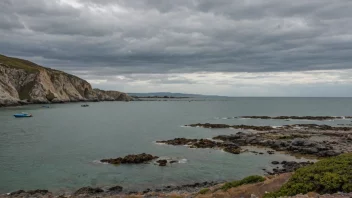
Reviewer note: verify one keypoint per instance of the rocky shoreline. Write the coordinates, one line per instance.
(306, 141)
(321, 118)
(319, 127)
(318, 141)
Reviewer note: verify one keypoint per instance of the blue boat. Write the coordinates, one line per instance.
(22, 115)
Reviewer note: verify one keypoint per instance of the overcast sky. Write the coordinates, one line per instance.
(235, 48)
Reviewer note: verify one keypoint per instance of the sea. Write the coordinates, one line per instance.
(60, 147)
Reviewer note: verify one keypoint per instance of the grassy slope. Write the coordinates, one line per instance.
(19, 63)
(29, 66)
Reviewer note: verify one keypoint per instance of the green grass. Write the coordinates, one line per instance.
(30, 66)
(248, 180)
(327, 176)
(19, 63)
(204, 190)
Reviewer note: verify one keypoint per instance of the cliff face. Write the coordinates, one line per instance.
(22, 81)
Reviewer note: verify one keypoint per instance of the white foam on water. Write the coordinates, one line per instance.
(159, 143)
(184, 126)
(182, 161)
(99, 162)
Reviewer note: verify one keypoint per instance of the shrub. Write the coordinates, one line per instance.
(248, 180)
(204, 190)
(327, 176)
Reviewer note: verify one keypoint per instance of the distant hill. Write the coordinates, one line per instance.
(170, 94)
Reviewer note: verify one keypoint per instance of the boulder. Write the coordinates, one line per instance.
(115, 189)
(233, 150)
(88, 191)
(162, 162)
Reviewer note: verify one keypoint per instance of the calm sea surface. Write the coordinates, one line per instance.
(59, 147)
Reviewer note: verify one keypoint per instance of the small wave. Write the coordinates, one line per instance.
(99, 162)
(182, 161)
(276, 127)
(159, 143)
(185, 126)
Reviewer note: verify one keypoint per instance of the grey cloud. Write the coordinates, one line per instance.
(161, 36)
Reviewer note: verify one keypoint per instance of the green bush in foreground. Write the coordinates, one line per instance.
(204, 190)
(248, 180)
(327, 176)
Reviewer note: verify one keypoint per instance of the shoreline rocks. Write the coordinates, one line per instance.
(270, 128)
(287, 166)
(229, 147)
(130, 159)
(287, 141)
(321, 118)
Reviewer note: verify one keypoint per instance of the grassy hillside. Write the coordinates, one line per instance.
(28, 65)
(19, 63)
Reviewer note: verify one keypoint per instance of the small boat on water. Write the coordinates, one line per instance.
(23, 115)
(84, 105)
(46, 106)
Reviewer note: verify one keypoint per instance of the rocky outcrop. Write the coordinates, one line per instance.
(297, 117)
(270, 128)
(130, 159)
(24, 82)
(228, 146)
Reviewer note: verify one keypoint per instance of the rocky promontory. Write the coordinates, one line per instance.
(24, 82)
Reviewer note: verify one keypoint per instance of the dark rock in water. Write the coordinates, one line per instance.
(178, 141)
(147, 190)
(233, 150)
(275, 162)
(115, 189)
(42, 192)
(131, 159)
(208, 125)
(173, 161)
(17, 192)
(261, 153)
(30, 192)
(162, 162)
(88, 191)
(271, 152)
(295, 117)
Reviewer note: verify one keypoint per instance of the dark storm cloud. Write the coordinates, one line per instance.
(159, 36)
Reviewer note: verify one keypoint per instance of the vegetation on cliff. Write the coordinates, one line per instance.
(327, 176)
